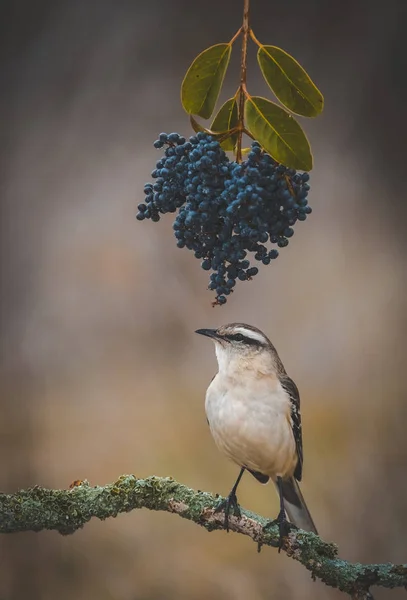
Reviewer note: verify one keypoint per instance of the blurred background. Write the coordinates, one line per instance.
(101, 373)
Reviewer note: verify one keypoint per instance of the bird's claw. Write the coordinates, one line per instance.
(284, 527)
(228, 504)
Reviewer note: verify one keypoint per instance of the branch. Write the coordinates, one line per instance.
(66, 511)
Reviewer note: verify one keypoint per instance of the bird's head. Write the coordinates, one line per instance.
(241, 346)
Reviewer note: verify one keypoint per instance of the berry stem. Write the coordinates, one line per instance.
(243, 77)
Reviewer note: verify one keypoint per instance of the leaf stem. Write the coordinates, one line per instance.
(234, 38)
(243, 77)
(255, 40)
(247, 132)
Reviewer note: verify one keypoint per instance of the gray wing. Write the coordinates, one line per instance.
(207, 420)
(292, 390)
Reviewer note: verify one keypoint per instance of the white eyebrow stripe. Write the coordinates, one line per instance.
(253, 335)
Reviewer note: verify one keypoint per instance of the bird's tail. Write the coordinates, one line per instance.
(295, 506)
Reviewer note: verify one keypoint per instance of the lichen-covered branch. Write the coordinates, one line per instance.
(66, 511)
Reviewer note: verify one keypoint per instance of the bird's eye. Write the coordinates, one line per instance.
(238, 337)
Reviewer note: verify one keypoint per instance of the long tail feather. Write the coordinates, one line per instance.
(296, 507)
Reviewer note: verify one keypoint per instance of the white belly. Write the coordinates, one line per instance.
(254, 430)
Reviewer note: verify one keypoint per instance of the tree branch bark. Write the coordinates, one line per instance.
(66, 511)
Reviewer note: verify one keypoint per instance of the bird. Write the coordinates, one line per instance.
(253, 411)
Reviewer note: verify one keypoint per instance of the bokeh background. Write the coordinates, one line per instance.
(101, 373)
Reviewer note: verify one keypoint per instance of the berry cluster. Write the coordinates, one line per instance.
(225, 209)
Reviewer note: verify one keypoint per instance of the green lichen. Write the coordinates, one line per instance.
(66, 511)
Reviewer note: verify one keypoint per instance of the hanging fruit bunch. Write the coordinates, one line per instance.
(231, 211)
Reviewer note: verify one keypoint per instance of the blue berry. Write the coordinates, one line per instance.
(225, 212)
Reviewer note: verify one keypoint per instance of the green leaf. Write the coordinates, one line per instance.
(225, 120)
(203, 80)
(221, 136)
(290, 82)
(278, 132)
(197, 126)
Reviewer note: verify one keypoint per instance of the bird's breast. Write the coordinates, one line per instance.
(251, 423)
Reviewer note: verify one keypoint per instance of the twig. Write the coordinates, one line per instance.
(243, 78)
(66, 511)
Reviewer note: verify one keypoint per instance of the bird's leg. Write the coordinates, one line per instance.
(283, 525)
(231, 502)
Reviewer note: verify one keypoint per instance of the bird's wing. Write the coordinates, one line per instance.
(259, 476)
(292, 390)
(207, 420)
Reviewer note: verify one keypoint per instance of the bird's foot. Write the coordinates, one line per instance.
(284, 527)
(227, 505)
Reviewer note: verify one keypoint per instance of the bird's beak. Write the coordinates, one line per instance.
(211, 333)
